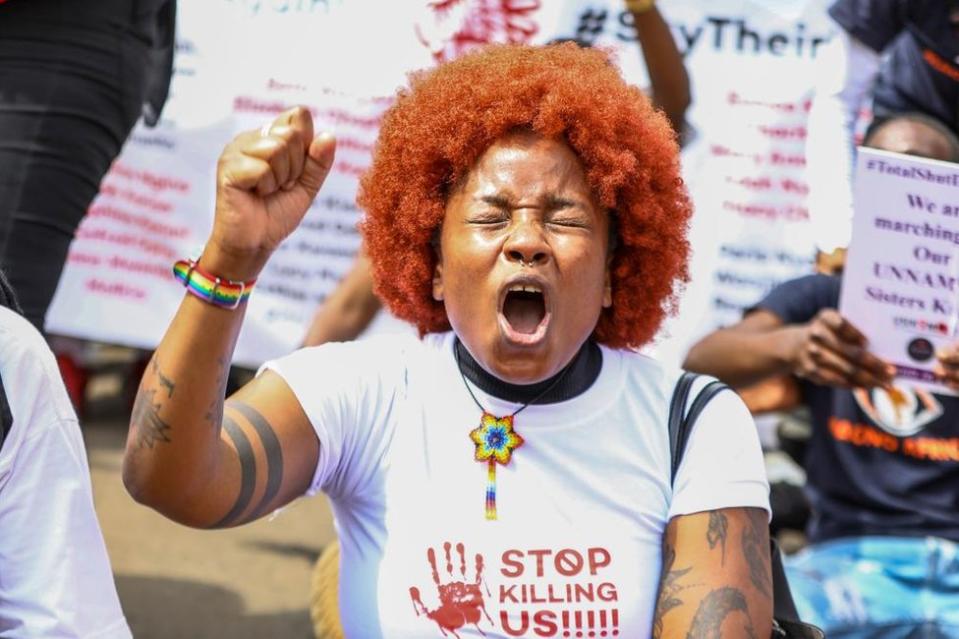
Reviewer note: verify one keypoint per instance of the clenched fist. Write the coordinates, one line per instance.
(265, 183)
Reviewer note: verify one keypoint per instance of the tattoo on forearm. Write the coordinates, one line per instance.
(669, 588)
(716, 534)
(150, 427)
(214, 414)
(713, 611)
(247, 471)
(756, 550)
(165, 381)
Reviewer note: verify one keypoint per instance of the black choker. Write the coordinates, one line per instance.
(580, 374)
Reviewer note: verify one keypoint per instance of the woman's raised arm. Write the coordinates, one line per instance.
(190, 455)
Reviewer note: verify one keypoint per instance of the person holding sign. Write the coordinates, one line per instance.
(509, 471)
(883, 461)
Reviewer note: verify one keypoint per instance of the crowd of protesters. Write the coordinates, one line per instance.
(524, 213)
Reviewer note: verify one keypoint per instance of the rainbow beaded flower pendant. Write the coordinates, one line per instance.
(495, 442)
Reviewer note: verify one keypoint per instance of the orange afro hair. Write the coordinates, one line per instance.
(436, 131)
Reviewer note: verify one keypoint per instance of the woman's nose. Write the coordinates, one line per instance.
(527, 243)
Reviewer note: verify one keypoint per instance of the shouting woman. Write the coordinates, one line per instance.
(508, 473)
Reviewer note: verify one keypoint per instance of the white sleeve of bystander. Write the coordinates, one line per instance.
(55, 576)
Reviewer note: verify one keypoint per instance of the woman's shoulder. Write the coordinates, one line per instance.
(641, 366)
(659, 376)
(380, 356)
(374, 349)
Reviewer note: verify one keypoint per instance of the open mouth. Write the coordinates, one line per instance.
(523, 316)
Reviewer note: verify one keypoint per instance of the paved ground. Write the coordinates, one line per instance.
(175, 582)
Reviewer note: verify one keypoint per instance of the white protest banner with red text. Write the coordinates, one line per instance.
(240, 62)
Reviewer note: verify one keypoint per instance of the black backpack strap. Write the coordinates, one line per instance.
(677, 406)
(787, 624)
(784, 608)
(6, 417)
(680, 425)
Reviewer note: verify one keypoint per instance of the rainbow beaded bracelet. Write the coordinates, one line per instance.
(210, 288)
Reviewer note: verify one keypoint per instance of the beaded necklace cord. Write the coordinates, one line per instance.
(495, 438)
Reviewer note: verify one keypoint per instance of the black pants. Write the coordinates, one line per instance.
(72, 81)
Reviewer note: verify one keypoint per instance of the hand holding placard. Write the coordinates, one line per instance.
(831, 351)
(947, 366)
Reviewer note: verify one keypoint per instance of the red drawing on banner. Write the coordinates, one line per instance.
(461, 602)
(452, 27)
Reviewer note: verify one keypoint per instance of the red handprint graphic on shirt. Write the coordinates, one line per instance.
(460, 602)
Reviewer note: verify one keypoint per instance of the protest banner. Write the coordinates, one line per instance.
(235, 71)
(750, 66)
(901, 280)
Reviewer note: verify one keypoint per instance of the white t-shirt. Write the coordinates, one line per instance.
(55, 578)
(581, 508)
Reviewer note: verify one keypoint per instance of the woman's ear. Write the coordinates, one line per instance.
(438, 269)
(608, 285)
(611, 247)
(438, 281)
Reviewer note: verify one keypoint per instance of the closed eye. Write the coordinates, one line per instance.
(567, 220)
(571, 222)
(488, 217)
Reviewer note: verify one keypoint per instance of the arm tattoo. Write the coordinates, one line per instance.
(273, 455)
(150, 428)
(247, 471)
(165, 381)
(716, 534)
(214, 414)
(712, 612)
(757, 552)
(669, 588)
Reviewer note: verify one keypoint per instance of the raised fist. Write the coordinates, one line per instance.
(265, 183)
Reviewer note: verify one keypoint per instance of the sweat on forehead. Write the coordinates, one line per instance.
(438, 128)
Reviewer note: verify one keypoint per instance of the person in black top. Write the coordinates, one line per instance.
(921, 39)
(904, 55)
(882, 462)
(74, 79)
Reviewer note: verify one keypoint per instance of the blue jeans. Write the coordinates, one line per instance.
(878, 587)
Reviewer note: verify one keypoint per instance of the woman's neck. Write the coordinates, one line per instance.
(578, 376)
